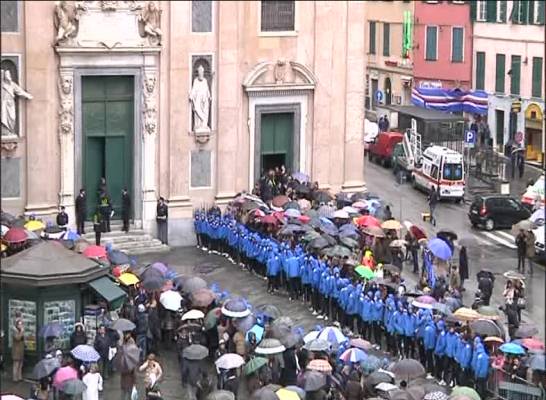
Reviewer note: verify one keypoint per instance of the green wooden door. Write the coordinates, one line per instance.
(108, 135)
(277, 136)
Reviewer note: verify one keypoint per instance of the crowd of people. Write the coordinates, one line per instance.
(344, 259)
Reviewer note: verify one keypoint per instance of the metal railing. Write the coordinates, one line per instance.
(504, 386)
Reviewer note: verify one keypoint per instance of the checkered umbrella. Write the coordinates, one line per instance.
(85, 353)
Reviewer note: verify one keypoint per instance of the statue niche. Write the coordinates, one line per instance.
(200, 96)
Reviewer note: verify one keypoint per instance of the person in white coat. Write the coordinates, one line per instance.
(93, 381)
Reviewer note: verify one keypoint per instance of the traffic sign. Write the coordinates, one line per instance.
(470, 137)
(379, 95)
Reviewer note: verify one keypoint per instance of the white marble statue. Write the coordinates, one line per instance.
(10, 91)
(200, 99)
(66, 20)
(151, 18)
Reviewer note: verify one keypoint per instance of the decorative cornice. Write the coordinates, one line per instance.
(266, 90)
(9, 145)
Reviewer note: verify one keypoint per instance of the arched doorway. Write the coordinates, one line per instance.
(388, 91)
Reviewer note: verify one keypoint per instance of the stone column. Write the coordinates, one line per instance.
(229, 101)
(66, 140)
(353, 161)
(149, 137)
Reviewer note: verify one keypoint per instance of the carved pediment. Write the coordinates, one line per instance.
(107, 24)
(279, 75)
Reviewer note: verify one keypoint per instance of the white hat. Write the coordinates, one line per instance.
(141, 308)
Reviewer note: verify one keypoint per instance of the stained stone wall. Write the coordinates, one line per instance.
(201, 168)
(9, 16)
(11, 175)
(201, 16)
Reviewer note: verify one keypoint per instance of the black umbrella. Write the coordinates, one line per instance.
(322, 197)
(407, 369)
(193, 284)
(314, 380)
(152, 279)
(303, 189)
(264, 393)
(292, 204)
(319, 243)
(393, 269)
(45, 367)
(525, 331)
(123, 325)
(290, 340)
(447, 234)
(127, 358)
(349, 242)
(484, 273)
(73, 387)
(195, 352)
(486, 327)
(269, 310)
(221, 395)
(7, 218)
(378, 377)
(330, 239)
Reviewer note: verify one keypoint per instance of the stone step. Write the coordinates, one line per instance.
(137, 241)
(135, 245)
(145, 250)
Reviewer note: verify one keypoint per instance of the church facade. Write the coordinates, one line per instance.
(190, 101)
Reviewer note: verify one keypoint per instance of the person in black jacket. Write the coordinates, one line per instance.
(289, 373)
(463, 266)
(81, 211)
(62, 219)
(105, 208)
(433, 200)
(125, 209)
(97, 227)
(162, 215)
(102, 345)
(78, 336)
(142, 327)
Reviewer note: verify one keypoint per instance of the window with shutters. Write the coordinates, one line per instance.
(457, 40)
(9, 16)
(480, 70)
(515, 73)
(386, 39)
(431, 40)
(278, 16)
(481, 10)
(500, 69)
(491, 11)
(536, 90)
(201, 16)
(371, 44)
(538, 12)
(501, 11)
(520, 12)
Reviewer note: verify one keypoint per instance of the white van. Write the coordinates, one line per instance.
(441, 167)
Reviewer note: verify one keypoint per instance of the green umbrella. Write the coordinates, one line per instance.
(349, 242)
(254, 365)
(212, 317)
(309, 236)
(465, 391)
(341, 251)
(364, 272)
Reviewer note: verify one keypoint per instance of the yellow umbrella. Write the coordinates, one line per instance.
(391, 224)
(493, 339)
(128, 279)
(466, 314)
(34, 225)
(285, 394)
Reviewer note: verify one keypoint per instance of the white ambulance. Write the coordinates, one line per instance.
(440, 167)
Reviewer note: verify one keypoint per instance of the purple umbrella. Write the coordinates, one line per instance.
(440, 249)
(160, 267)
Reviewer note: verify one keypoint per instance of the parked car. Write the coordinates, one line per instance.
(496, 211)
(382, 147)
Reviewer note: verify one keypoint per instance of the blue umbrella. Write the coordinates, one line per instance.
(371, 364)
(118, 257)
(440, 249)
(348, 227)
(53, 329)
(538, 362)
(71, 235)
(328, 227)
(258, 330)
(293, 213)
(512, 348)
(85, 353)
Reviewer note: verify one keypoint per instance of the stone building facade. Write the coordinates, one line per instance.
(389, 61)
(185, 100)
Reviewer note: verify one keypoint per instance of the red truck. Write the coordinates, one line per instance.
(381, 149)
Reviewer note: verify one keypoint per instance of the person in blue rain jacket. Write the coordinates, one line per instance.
(422, 317)
(353, 306)
(306, 272)
(398, 321)
(410, 326)
(480, 368)
(377, 316)
(324, 289)
(464, 358)
(344, 301)
(366, 314)
(388, 323)
(440, 352)
(273, 271)
(317, 272)
(452, 367)
(429, 341)
(293, 274)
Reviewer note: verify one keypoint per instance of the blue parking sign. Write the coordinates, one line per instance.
(379, 95)
(470, 137)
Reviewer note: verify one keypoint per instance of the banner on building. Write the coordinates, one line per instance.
(450, 100)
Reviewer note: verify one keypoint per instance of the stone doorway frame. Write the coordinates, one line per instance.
(295, 109)
(143, 64)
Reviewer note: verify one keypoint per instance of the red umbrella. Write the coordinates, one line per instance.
(95, 252)
(368, 220)
(15, 235)
(279, 215)
(269, 219)
(532, 344)
(304, 218)
(116, 271)
(417, 232)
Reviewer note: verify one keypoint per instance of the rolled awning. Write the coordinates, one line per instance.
(109, 291)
